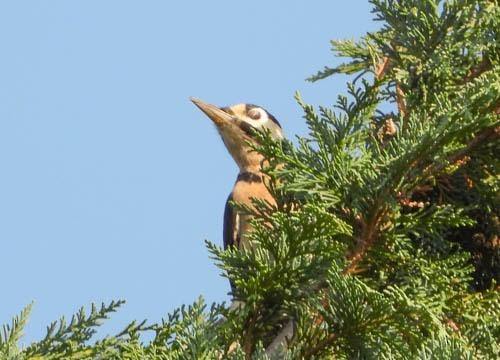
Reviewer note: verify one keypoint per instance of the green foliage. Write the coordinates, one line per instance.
(384, 240)
(11, 334)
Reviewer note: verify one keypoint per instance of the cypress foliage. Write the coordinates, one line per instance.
(384, 243)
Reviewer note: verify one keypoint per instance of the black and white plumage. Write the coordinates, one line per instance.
(237, 125)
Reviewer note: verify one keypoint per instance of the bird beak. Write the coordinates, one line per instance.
(218, 116)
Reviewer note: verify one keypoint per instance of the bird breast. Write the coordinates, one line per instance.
(243, 192)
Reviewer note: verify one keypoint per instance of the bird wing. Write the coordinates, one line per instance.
(231, 232)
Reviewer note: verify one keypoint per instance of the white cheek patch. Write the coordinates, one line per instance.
(260, 121)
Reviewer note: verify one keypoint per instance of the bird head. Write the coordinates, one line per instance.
(237, 126)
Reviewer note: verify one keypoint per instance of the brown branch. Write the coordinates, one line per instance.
(248, 343)
(452, 325)
(321, 345)
(476, 71)
(383, 68)
(458, 159)
(369, 234)
(400, 101)
(487, 135)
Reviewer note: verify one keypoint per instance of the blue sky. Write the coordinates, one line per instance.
(111, 179)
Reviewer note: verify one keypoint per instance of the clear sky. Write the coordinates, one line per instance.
(110, 178)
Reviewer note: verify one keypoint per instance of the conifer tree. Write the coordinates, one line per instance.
(384, 243)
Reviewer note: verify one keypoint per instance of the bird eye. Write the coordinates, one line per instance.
(255, 113)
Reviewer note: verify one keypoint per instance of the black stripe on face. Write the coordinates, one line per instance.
(247, 128)
(249, 107)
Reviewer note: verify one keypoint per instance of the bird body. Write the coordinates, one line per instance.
(236, 225)
(237, 126)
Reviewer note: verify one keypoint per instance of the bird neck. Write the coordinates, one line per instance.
(249, 161)
(252, 164)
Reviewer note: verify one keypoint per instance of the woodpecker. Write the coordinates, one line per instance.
(237, 126)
